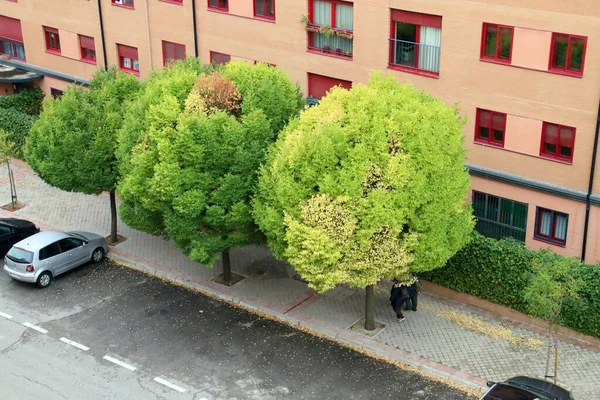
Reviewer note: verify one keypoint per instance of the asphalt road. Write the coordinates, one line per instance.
(108, 332)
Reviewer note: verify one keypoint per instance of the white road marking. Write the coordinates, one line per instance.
(169, 384)
(36, 328)
(5, 315)
(74, 344)
(120, 363)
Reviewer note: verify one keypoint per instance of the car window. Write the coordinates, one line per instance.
(50, 251)
(4, 230)
(19, 255)
(69, 244)
(506, 392)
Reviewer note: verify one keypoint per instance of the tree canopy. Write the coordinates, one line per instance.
(370, 183)
(73, 143)
(192, 168)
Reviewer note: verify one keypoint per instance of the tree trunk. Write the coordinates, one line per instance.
(369, 308)
(113, 217)
(226, 265)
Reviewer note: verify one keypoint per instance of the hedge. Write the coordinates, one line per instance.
(17, 124)
(28, 101)
(500, 270)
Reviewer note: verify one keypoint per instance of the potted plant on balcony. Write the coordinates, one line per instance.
(327, 31)
(326, 48)
(348, 53)
(344, 33)
(308, 26)
(339, 51)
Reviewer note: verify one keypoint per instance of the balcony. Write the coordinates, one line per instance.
(414, 57)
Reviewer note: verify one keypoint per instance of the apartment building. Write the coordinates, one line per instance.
(525, 73)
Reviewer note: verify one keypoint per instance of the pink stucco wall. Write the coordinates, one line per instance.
(523, 135)
(69, 45)
(531, 48)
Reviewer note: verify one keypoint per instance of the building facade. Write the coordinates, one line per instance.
(525, 73)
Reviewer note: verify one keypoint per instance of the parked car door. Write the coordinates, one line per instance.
(77, 253)
(53, 259)
(6, 236)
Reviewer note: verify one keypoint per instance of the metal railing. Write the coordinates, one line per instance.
(415, 55)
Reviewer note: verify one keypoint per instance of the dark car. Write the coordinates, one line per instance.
(525, 388)
(13, 230)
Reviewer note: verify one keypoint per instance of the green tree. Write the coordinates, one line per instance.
(72, 145)
(369, 184)
(191, 174)
(7, 152)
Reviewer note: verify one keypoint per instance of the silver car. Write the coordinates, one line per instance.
(45, 255)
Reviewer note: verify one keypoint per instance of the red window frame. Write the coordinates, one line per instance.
(179, 2)
(88, 49)
(496, 57)
(311, 15)
(566, 70)
(264, 3)
(121, 3)
(417, 19)
(221, 5)
(48, 32)
(171, 47)
(131, 53)
(219, 58)
(269, 64)
(14, 44)
(490, 139)
(556, 155)
(551, 238)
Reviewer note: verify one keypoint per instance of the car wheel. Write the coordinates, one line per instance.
(98, 255)
(44, 279)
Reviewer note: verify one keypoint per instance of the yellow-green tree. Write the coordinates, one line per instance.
(370, 183)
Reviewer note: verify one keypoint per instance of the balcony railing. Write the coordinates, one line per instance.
(419, 56)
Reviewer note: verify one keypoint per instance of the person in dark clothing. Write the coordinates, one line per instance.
(398, 296)
(413, 294)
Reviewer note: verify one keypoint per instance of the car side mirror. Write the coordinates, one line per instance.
(85, 243)
(490, 383)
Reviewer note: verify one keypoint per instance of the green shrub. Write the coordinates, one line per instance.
(28, 101)
(17, 124)
(501, 270)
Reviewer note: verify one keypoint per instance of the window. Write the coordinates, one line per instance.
(415, 41)
(222, 5)
(128, 59)
(11, 38)
(557, 141)
(52, 40)
(497, 42)
(567, 53)
(125, 3)
(88, 48)
(55, 93)
(50, 251)
(490, 127)
(264, 9)
(551, 226)
(318, 85)
(172, 52)
(498, 217)
(219, 58)
(331, 22)
(70, 244)
(269, 64)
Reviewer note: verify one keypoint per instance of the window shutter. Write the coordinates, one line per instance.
(128, 51)
(10, 28)
(87, 42)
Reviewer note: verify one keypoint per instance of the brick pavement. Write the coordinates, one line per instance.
(432, 340)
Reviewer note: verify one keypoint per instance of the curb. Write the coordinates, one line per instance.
(469, 384)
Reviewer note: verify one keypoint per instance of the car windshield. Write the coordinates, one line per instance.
(506, 392)
(19, 255)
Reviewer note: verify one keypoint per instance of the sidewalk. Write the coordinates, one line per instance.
(461, 343)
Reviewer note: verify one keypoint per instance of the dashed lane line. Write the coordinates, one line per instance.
(5, 315)
(74, 344)
(169, 384)
(34, 327)
(120, 363)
